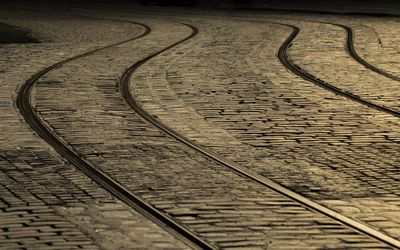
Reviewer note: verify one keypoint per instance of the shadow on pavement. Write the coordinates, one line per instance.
(13, 34)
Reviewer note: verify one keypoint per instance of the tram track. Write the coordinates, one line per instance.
(353, 53)
(124, 87)
(27, 110)
(125, 92)
(297, 70)
(349, 40)
(33, 119)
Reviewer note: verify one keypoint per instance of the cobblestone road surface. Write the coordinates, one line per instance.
(226, 90)
(314, 147)
(45, 203)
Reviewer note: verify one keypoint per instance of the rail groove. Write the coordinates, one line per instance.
(297, 70)
(125, 91)
(353, 53)
(124, 86)
(23, 103)
(350, 49)
(309, 77)
(30, 115)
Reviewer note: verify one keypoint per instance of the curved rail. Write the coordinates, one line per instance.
(353, 53)
(297, 70)
(30, 115)
(309, 77)
(349, 43)
(125, 91)
(124, 87)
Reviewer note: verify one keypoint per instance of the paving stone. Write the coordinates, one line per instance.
(159, 169)
(42, 196)
(302, 136)
(235, 99)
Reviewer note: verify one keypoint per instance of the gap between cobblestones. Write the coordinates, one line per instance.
(43, 130)
(126, 93)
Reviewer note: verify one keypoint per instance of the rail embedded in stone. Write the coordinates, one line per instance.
(353, 53)
(285, 60)
(297, 70)
(125, 91)
(309, 77)
(27, 110)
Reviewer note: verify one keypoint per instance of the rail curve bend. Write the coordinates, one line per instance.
(27, 110)
(353, 53)
(297, 70)
(125, 91)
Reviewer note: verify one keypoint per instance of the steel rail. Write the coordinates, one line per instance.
(125, 91)
(297, 70)
(124, 86)
(24, 104)
(285, 60)
(349, 41)
(353, 53)
(350, 49)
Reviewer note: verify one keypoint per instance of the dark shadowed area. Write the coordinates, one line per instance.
(337, 6)
(13, 34)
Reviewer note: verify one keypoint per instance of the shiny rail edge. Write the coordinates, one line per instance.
(287, 62)
(125, 87)
(284, 58)
(307, 76)
(353, 53)
(42, 129)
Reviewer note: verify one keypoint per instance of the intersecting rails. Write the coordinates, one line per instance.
(43, 130)
(125, 91)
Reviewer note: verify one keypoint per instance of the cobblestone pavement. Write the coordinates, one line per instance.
(378, 44)
(353, 78)
(215, 203)
(224, 89)
(221, 97)
(45, 203)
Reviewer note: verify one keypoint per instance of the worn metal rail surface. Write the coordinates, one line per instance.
(125, 91)
(24, 104)
(353, 53)
(30, 115)
(296, 69)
